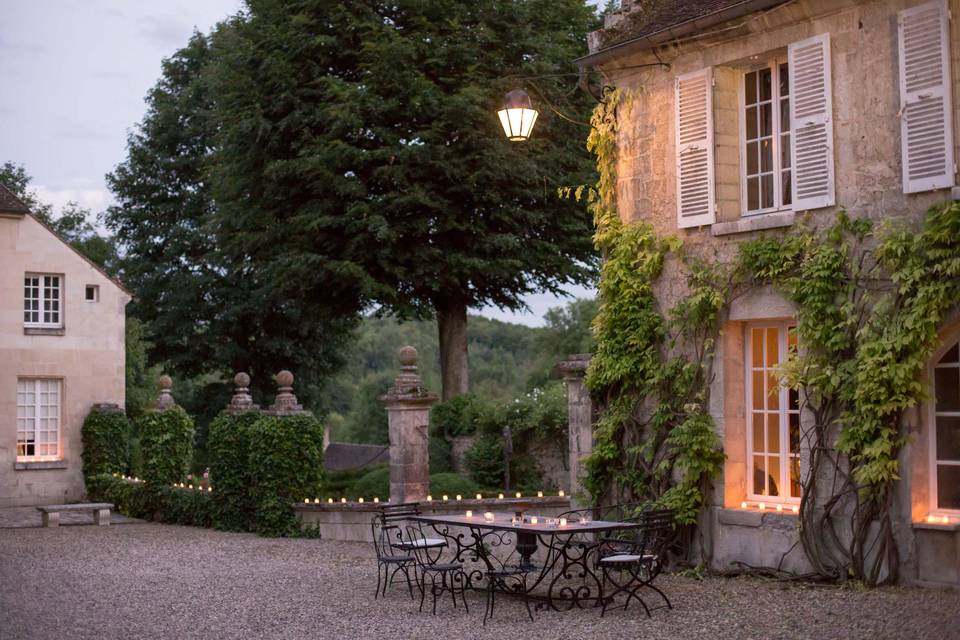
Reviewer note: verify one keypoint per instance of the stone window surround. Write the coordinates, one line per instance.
(47, 328)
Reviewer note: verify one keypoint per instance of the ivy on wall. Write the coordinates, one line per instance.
(869, 304)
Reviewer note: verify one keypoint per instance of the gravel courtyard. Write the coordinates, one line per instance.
(161, 581)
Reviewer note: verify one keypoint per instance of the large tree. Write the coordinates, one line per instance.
(207, 311)
(358, 155)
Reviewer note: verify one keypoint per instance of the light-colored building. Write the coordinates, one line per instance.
(62, 326)
(763, 110)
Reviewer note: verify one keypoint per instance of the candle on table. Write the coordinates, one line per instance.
(360, 500)
(343, 500)
(533, 520)
(469, 513)
(563, 522)
(488, 516)
(329, 500)
(459, 497)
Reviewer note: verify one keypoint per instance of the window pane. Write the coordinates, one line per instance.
(953, 355)
(766, 155)
(947, 388)
(767, 191)
(773, 391)
(756, 346)
(773, 432)
(753, 194)
(758, 433)
(784, 79)
(948, 486)
(750, 87)
(766, 120)
(773, 347)
(759, 476)
(784, 115)
(751, 122)
(773, 474)
(795, 489)
(758, 390)
(765, 88)
(793, 399)
(784, 152)
(786, 182)
(752, 157)
(793, 420)
(948, 438)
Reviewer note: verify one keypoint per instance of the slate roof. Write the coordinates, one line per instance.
(670, 13)
(340, 456)
(10, 203)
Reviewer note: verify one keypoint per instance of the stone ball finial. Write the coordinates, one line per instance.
(284, 379)
(408, 356)
(165, 399)
(241, 380)
(165, 382)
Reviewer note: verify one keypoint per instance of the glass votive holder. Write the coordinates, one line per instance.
(539, 494)
(563, 522)
(488, 516)
(445, 498)
(561, 493)
(469, 513)
(515, 521)
(534, 520)
(459, 497)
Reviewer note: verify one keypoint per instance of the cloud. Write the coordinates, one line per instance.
(165, 30)
(83, 192)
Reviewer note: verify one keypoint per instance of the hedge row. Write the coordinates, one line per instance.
(161, 503)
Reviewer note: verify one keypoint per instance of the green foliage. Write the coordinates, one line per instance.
(229, 447)
(451, 484)
(140, 376)
(166, 443)
(373, 484)
(460, 416)
(484, 461)
(441, 453)
(162, 503)
(285, 462)
(105, 436)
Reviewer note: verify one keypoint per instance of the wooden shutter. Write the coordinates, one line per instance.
(811, 115)
(694, 129)
(926, 130)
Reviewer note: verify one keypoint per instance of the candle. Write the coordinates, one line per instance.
(500, 496)
(533, 520)
(488, 516)
(329, 500)
(518, 494)
(360, 500)
(945, 520)
(429, 498)
(539, 494)
(343, 500)
(315, 500)
(306, 500)
(796, 509)
(459, 497)
(376, 501)
(479, 496)
(445, 498)
(743, 505)
(779, 507)
(931, 519)
(561, 494)
(469, 513)
(762, 506)
(563, 522)
(583, 520)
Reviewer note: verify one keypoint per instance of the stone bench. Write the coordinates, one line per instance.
(51, 512)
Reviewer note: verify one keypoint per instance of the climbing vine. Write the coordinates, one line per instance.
(869, 301)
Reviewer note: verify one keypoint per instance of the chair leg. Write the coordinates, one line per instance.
(423, 590)
(453, 589)
(376, 593)
(433, 590)
(662, 594)
(526, 598)
(406, 574)
(463, 591)
(488, 612)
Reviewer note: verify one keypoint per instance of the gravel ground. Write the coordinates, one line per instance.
(162, 581)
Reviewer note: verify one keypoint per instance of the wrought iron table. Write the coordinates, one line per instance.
(567, 578)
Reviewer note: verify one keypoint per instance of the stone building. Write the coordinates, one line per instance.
(766, 111)
(61, 351)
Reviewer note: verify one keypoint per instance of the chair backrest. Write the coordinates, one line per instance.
(414, 534)
(381, 538)
(656, 531)
(395, 512)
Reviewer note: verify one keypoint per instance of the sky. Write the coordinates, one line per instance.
(73, 76)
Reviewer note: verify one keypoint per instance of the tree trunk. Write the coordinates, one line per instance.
(452, 325)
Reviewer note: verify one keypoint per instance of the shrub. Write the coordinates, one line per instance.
(160, 502)
(452, 484)
(285, 461)
(166, 439)
(340, 483)
(484, 461)
(228, 448)
(105, 436)
(462, 415)
(375, 483)
(440, 452)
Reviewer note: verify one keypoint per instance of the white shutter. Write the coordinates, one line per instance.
(694, 128)
(926, 130)
(811, 115)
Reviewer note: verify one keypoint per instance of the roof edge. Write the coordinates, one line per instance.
(676, 31)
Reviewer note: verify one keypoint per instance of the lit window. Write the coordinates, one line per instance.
(945, 444)
(38, 419)
(773, 425)
(92, 293)
(765, 139)
(42, 300)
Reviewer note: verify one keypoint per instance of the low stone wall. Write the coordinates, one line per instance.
(351, 521)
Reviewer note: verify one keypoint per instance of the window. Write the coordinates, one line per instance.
(42, 300)
(92, 293)
(765, 139)
(38, 419)
(773, 420)
(945, 435)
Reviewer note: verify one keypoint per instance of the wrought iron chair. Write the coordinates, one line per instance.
(510, 579)
(638, 555)
(387, 558)
(442, 576)
(394, 517)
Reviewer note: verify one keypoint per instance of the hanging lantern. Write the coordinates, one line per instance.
(517, 115)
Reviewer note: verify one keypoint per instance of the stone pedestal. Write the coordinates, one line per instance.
(408, 415)
(242, 401)
(580, 419)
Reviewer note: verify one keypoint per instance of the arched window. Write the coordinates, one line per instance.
(945, 434)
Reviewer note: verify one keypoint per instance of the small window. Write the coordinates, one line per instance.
(765, 139)
(93, 293)
(42, 300)
(38, 420)
(773, 426)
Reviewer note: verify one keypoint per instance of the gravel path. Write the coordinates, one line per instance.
(162, 581)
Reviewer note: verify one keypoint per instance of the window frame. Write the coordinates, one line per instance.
(58, 414)
(773, 64)
(932, 412)
(783, 326)
(96, 293)
(42, 288)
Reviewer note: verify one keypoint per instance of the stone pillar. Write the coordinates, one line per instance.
(165, 399)
(242, 401)
(285, 404)
(408, 415)
(579, 417)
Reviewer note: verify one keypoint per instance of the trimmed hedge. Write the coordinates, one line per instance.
(106, 437)
(452, 484)
(285, 462)
(376, 483)
(228, 447)
(151, 502)
(166, 444)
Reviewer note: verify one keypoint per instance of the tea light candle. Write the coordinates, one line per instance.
(583, 520)
(539, 494)
(459, 497)
(329, 500)
(534, 520)
(743, 505)
(500, 496)
(796, 509)
(762, 506)
(376, 501)
(306, 500)
(479, 496)
(931, 519)
(488, 516)
(360, 500)
(945, 520)
(563, 522)
(779, 507)
(315, 500)
(343, 500)
(560, 493)
(429, 498)
(518, 494)
(469, 513)
(445, 498)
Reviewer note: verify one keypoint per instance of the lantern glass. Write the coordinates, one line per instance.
(517, 116)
